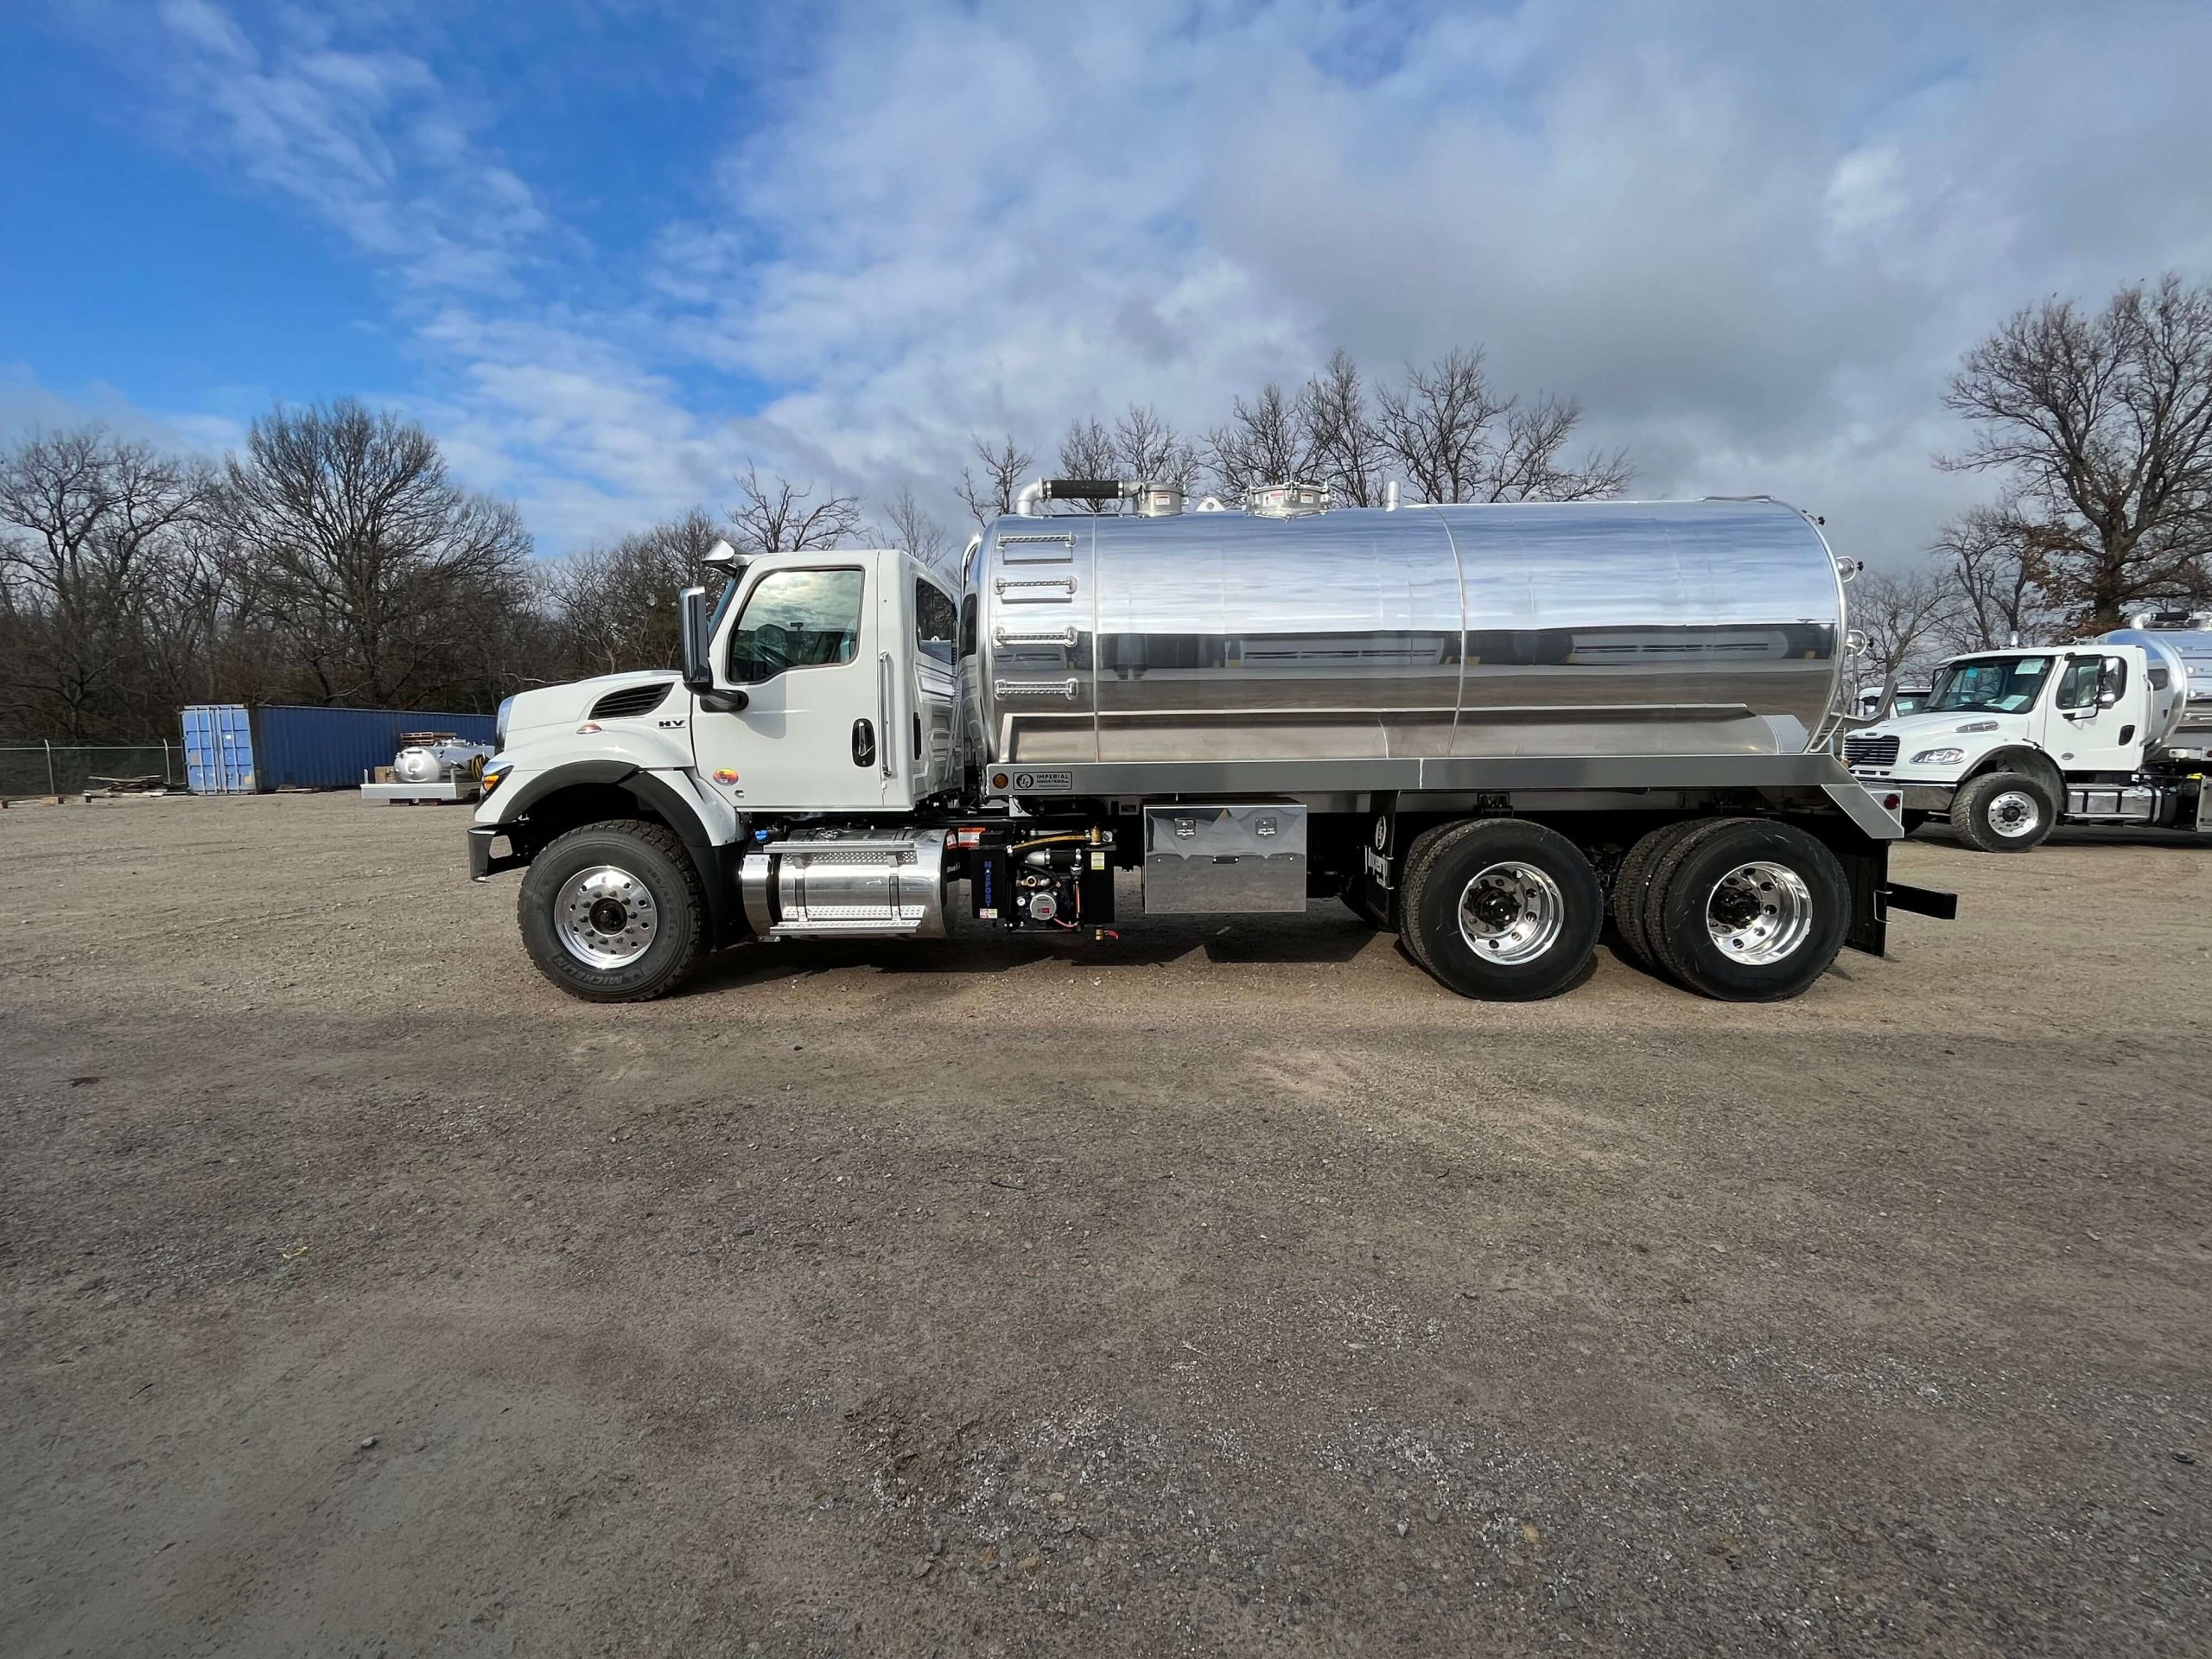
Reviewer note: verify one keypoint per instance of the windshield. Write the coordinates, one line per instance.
(2002, 685)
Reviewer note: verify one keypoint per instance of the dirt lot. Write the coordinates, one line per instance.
(1234, 1290)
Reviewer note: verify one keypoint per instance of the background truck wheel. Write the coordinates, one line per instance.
(613, 912)
(1502, 909)
(1632, 887)
(2002, 813)
(1747, 910)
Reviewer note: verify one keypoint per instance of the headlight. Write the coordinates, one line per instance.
(1939, 757)
(494, 776)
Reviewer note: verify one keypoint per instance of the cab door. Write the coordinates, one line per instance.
(801, 643)
(2097, 713)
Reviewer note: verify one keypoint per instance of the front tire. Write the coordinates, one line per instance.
(614, 912)
(1502, 909)
(1747, 910)
(2003, 812)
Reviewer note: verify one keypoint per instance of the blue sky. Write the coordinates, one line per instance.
(611, 249)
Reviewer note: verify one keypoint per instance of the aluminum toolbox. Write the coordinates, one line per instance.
(1203, 859)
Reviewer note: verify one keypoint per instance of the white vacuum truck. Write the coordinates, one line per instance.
(2011, 743)
(1488, 727)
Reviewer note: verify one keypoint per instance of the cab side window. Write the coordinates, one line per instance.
(935, 621)
(796, 619)
(2077, 687)
(2111, 683)
(968, 625)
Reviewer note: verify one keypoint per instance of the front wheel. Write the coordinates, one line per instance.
(614, 912)
(2002, 813)
(1502, 909)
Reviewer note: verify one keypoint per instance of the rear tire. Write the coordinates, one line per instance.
(615, 912)
(1632, 889)
(1748, 910)
(2003, 812)
(1501, 909)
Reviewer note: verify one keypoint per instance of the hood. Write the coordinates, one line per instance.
(1925, 730)
(577, 700)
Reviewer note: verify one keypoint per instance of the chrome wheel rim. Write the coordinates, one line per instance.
(605, 917)
(2014, 813)
(1759, 913)
(1510, 913)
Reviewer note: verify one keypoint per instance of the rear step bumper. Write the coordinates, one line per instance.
(1918, 901)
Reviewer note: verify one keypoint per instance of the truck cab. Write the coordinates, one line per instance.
(2009, 744)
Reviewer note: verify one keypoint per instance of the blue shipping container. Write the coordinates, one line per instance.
(232, 749)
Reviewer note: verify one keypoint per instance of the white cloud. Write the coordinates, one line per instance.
(1751, 239)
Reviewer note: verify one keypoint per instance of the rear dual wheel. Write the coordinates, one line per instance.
(1743, 910)
(1501, 909)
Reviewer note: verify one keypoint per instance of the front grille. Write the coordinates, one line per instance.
(634, 700)
(1869, 751)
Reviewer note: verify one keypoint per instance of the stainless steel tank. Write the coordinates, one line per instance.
(2181, 710)
(416, 765)
(1694, 627)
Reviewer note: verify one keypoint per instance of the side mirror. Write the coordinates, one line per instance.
(697, 675)
(694, 620)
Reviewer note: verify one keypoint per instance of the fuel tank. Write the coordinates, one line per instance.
(1689, 627)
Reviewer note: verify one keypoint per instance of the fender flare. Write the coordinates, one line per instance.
(2026, 758)
(717, 863)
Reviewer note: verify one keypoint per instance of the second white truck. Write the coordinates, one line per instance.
(2011, 744)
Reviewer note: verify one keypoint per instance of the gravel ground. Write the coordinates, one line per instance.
(1234, 1289)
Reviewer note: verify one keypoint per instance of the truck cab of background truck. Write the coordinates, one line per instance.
(2011, 743)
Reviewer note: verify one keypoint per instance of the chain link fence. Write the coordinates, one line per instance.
(65, 769)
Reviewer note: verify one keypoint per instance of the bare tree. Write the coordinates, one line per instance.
(616, 607)
(2100, 427)
(1088, 450)
(86, 517)
(1341, 439)
(1150, 448)
(778, 517)
(1268, 440)
(1527, 465)
(1899, 613)
(1458, 439)
(1436, 425)
(381, 572)
(907, 524)
(1995, 564)
(993, 492)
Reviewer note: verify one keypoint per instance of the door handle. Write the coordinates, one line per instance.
(883, 708)
(863, 743)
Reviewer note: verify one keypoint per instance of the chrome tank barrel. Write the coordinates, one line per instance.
(2184, 705)
(1697, 627)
